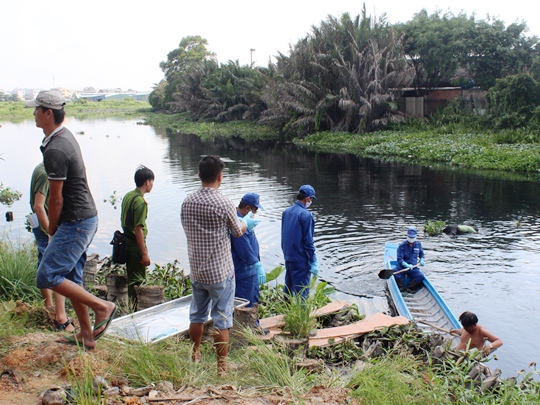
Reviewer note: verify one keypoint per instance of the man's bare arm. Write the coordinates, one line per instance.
(39, 209)
(56, 202)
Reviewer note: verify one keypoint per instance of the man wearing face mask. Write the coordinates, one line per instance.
(297, 227)
(409, 255)
(248, 270)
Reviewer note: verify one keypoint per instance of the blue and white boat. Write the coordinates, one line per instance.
(426, 307)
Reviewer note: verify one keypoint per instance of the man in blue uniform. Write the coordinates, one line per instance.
(248, 270)
(297, 227)
(409, 253)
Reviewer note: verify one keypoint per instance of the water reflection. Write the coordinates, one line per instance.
(361, 203)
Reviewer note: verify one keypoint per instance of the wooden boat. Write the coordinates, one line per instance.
(426, 307)
(158, 322)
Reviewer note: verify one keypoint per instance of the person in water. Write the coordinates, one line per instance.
(454, 229)
(475, 336)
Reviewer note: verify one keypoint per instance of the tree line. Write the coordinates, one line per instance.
(346, 73)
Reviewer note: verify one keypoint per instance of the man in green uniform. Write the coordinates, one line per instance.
(134, 213)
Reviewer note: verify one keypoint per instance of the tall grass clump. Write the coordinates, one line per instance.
(145, 364)
(272, 368)
(298, 316)
(18, 268)
(394, 380)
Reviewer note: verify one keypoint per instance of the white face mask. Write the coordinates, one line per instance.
(410, 240)
(308, 203)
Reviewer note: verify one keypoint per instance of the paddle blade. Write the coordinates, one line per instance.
(386, 274)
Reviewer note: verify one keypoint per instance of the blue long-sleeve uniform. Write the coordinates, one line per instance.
(297, 228)
(411, 255)
(245, 253)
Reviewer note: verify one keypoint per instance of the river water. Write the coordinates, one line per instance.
(361, 204)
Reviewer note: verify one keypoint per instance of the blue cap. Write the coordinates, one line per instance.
(308, 191)
(252, 199)
(412, 232)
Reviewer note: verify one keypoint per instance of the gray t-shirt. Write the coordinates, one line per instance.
(63, 161)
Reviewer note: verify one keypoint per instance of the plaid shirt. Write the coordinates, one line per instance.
(207, 217)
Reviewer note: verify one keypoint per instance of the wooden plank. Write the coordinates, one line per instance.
(274, 322)
(356, 329)
(327, 342)
(333, 307)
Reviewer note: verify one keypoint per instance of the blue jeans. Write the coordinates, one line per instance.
(219, 298)
(42, 240)
(297, 278)
(65, 256)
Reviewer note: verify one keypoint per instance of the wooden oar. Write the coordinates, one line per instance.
(386, 274)
(436, 327)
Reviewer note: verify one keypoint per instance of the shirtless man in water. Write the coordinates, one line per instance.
(476, 334)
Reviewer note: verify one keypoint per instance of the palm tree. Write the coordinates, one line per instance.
(338, 78)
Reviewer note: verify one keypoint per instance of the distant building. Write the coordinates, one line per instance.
(90, 96)
(67, 94)
(112, 96)
(423, 102)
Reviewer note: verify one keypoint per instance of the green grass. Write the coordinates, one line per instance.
(18, 112)
(11, 326)
(297, 316)
(145, 364)
(394, 380)
(180, 124)
(18, 268)
(82, 383)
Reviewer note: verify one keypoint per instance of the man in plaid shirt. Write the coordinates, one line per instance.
(207, 216)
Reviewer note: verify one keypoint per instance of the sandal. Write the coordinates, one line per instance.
(63, 326)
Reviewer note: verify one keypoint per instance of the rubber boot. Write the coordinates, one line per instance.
(401, 286)
(414, 287)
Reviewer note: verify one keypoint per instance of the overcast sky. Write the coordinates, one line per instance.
(120, 43)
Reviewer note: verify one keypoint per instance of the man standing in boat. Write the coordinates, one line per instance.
(207, 217)
(410, 254)
(297, 227)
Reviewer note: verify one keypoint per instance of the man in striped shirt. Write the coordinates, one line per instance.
(207, 217)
